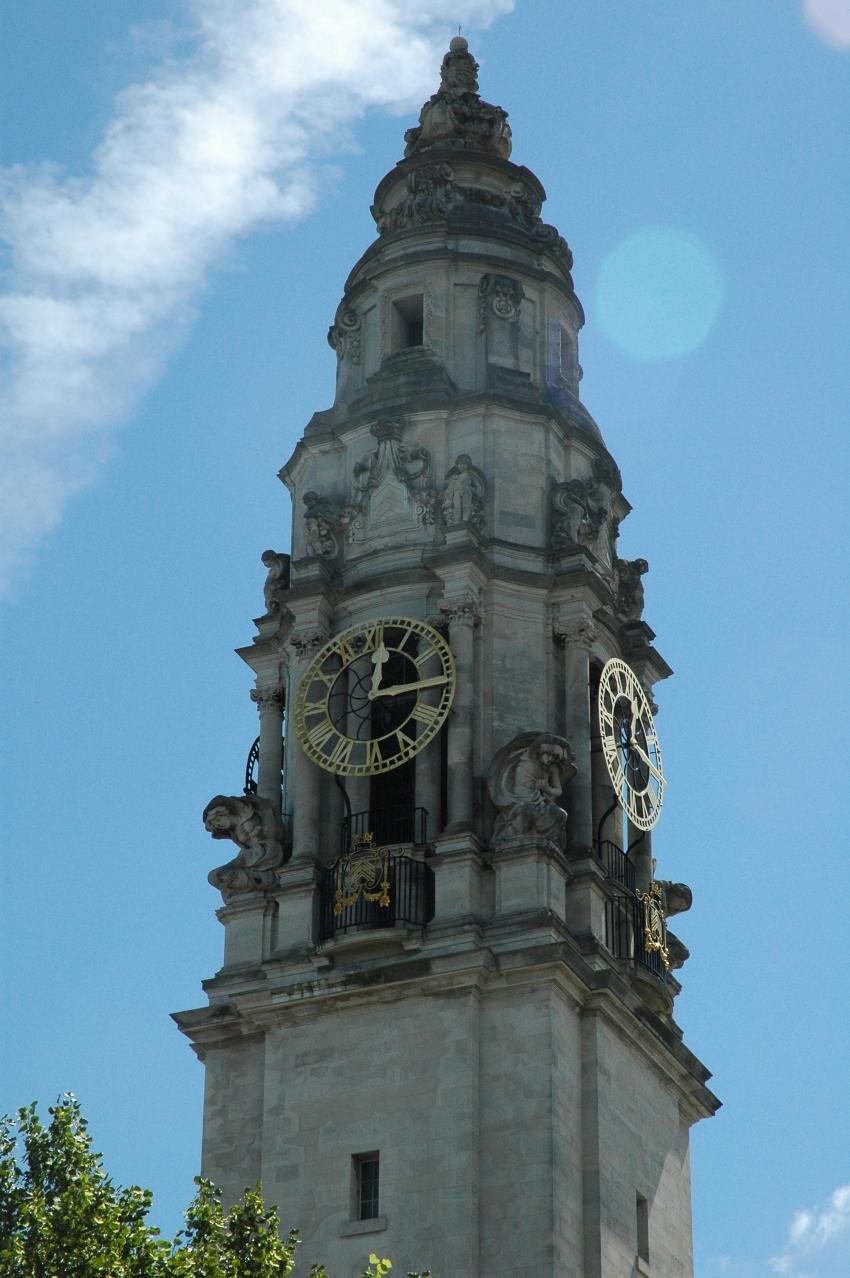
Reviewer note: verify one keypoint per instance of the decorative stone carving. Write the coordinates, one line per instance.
(628, 574)
(575, 634)
(526, 779)
(462, 495)
(501, 295)
(344, 336)
(391, 491)
(256, 828)
(277, 579)
(463, 609)
(675, 897)
(269, 699)
(306, 643)
(455, 118)
(324, 520)
(677, 952)
(583, 512)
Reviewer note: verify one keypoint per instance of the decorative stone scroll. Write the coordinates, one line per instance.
(277, 579)
(630, 596)
(526, 779)
(344, 336)
(255, 826)
(461, 499)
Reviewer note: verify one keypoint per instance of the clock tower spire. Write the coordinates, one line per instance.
(443, 1029)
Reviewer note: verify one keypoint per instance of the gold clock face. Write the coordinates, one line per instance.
(374, 696)
(630, 744)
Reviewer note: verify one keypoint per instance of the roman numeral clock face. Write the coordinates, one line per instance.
(374, 696)
(630, 744)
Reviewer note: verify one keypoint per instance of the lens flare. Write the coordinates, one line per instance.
(829, 20)
(658, 293)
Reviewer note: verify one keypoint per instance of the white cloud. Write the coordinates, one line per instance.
(815, 1234)
(102, 269)
(830, 20)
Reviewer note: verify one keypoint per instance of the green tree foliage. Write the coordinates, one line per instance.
(61, 1216)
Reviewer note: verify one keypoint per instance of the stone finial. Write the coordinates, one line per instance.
(455, 118)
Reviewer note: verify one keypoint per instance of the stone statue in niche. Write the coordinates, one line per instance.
(391, 490)
(602, 523)
(526, 779)
(323, 519)
(254, 825)
(277, 579)
(462, 495)
(630, 588)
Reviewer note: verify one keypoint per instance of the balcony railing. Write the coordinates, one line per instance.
(617, 865)
(625, 934)
(402, 892)
(389, 827)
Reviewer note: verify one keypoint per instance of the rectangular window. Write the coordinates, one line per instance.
(366, 1168)
(408, 321)
(642, 1207)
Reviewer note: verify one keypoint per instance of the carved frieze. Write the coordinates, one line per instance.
(255, 826)
(526, 779)
(277, 565)
(324, 521)
(462, 497)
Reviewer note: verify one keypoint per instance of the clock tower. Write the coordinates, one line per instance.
(443, 1028)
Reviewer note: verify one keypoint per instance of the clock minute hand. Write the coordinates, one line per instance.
(633, 745)
(398, 688)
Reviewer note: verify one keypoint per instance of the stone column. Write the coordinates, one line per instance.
(641, 857)
(270, 703)
(463, 615)
(304, 777)
(428, 773)
(577, 638)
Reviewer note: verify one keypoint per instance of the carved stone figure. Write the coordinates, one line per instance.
(391, 489)
(677, 952)
(455, 118)
(602, 524)
(277, 579)
(570, 526)
(526, 779)
(256, 828)
(323, 519)
(462, 495)
(675, 897)
(630, 588)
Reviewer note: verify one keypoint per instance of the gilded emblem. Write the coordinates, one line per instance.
(364, 872)
(654, 924)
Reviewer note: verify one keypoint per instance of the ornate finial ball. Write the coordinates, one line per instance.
(459, 44)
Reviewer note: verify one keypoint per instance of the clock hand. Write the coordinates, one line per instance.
(398, 688)
(633, 745)
(379, 656)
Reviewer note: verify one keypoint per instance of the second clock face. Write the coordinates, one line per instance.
(374, 696)
(630, 744)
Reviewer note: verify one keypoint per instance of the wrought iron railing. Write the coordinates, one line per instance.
(408, 897)
(625, 934)
(617, 865)
(389, 827)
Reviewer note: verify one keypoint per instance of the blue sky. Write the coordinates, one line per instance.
(170, 260)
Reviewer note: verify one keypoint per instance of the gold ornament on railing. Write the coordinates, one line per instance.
(654, 924)
(363, 872)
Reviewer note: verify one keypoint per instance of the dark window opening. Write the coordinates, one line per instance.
(408, 322)
(392, 795)
(642, 1207)
(366, 1168)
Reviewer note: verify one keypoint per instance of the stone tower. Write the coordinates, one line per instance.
(443, 1029)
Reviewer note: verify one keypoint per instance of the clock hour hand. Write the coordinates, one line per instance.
(379, 656)
(633, 745)
(398, 688)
